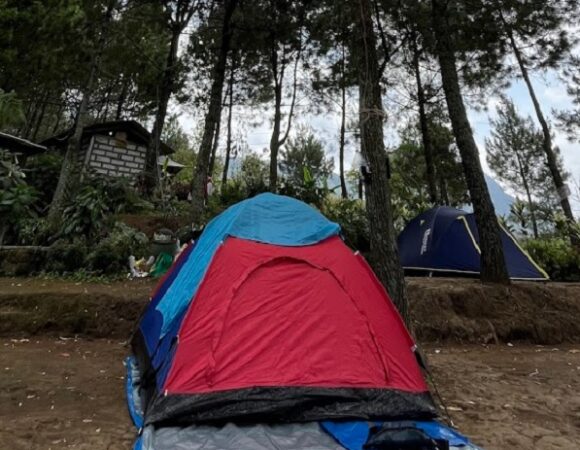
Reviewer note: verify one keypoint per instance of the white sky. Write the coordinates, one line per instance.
(256, 125)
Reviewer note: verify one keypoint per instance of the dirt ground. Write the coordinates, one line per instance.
(68, 394)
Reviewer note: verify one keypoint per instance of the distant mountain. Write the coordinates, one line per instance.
(501, 200)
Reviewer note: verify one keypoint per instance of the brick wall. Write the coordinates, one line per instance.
(115, 158)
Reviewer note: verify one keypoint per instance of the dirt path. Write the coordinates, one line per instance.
(508, 398)
(68, 394)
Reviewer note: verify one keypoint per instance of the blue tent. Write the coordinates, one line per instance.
(446, 240)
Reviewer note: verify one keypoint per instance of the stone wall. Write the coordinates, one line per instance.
(112, 157)
(22, 260)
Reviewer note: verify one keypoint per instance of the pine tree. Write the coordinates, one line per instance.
(384, 253)
(515, 154)
(493, 265)
(67, 175)
(543, 33)
(305, 152)
(214, 109)
(569, 121)
(178, 13)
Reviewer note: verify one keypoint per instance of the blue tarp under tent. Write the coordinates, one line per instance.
(270, 333)
(445, 241)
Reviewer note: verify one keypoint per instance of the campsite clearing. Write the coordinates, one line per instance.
(60, 393)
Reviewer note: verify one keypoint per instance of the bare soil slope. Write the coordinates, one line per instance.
(443, 309)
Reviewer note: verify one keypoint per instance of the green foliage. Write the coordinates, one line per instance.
(11, 174)
(98, 198)
(556, 256)
(185, 146)
(516, 155)
(87, 214)
(34, 231)
(305, 151)
(410, 194)
(16, 202)
(83, 275)
(43, 172)
(66, 256)
(110, 255)
(309, 191)
(569, 121)
(253, 175)
(352, 218)
(232, 192)
(305, 168)
(11, 111)
(17, 199)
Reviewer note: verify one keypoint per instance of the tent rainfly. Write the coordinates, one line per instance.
(445, 240)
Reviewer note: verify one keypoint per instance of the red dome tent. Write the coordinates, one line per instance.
(272, 319)
(300, 322)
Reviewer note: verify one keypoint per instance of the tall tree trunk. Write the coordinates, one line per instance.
(214, 147)
(275, 138)
(424, 123)
(213, 113)
(551, 158)
(493, 265)
(276, 141)
(532, 211)
(122, 98)
(444, 197)
(152, 173)
(229, 137)
(107, 102)
(67, 175)
(30, 120)
(384, 251)
(343, 189)
(59, 114)
(528, 194)
(40, 117)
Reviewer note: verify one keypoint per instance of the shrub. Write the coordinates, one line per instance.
(181, 190)
(111, 254)
(43, 172)
(34, 231)
(309, 191)
(66, 256)
(556, 256)
(351, 216)
(232, 192)
(97, 199)
(17, 199)
(86, 215)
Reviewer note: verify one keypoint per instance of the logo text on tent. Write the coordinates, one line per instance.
(425, 239)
